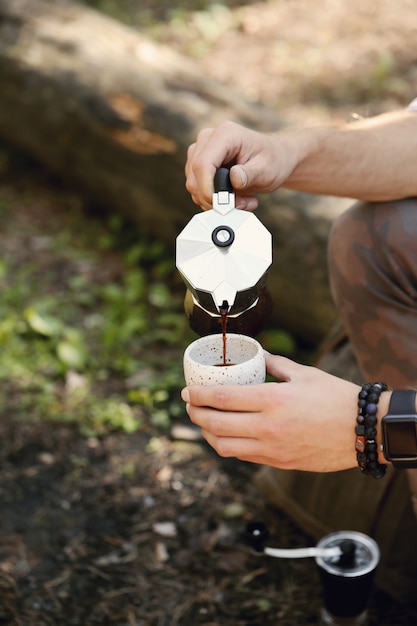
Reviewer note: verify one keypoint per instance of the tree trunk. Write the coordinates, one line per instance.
(112, 113)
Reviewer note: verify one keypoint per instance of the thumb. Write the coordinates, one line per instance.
(255, 175)
(238, 177)
(280, 367)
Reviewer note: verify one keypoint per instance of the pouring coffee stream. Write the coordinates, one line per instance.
(223, 256)
(223, 314)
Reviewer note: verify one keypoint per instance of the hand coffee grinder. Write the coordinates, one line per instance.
(223, 255)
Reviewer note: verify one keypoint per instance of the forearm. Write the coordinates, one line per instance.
(372, 159)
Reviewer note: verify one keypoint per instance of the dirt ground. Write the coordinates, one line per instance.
(83, 541)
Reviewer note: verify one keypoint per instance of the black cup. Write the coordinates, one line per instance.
(347, 579)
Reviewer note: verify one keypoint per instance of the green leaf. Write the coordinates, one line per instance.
(72, 356)
(159, 295)
(42, 324)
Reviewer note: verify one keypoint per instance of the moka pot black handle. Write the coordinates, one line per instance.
(222, 180)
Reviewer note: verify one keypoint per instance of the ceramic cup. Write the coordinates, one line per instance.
(245, 361)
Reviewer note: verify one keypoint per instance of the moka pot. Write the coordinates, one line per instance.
(223, 256)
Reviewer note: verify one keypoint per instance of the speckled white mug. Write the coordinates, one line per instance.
(203, 361)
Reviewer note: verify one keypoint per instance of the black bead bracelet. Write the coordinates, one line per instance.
(365, 430)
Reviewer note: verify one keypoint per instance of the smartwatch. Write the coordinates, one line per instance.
(399, 430)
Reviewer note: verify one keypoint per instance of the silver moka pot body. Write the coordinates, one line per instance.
(223, 256)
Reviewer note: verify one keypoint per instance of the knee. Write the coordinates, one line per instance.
(371, 240)
(390, 227)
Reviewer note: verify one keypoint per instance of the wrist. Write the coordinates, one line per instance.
(368, 430)
(295, 153)
(316, 149)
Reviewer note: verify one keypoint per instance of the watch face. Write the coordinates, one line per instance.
(400, 437)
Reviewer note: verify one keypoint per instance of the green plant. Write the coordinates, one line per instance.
(94, 336)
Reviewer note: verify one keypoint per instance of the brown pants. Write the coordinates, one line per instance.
(373, 277)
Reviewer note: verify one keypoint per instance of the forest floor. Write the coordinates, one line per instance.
(147, 528)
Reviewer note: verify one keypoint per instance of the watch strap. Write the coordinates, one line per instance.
(402, 402)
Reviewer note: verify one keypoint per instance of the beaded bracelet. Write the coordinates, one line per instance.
(365, 430)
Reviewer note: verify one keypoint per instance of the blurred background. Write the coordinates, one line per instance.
(92, 327)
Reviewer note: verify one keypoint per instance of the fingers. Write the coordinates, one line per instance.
(200, 176)
(223, 411)
(247, 398)
(256, 449)
(228, 145)
(246, 449)
(224, 425)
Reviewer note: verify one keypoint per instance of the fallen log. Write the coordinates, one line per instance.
(112, 113)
